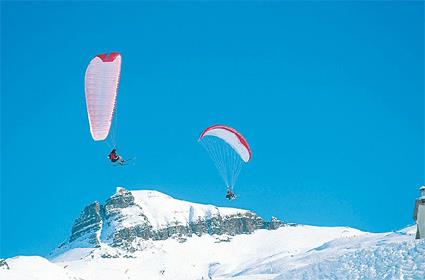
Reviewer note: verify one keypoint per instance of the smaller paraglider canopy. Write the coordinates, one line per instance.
(229, 151)
(232, 137)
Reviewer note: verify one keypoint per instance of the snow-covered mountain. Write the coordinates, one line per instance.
(150, 235)
(129, 218)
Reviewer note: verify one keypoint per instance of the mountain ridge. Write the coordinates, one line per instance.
(131, 236)
(151, 215)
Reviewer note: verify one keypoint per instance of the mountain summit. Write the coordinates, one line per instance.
(131, 216)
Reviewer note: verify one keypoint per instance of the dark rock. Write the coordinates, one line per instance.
(275, 223)
(3, 264)
(88, 224)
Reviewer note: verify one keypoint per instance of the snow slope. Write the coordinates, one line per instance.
(395, 255)
(162, 210)
(292, 252)
(203, 256)
(206, 256)
(35, 268)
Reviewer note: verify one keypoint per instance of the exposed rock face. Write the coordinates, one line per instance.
(121, 199)
(124, 220)
(275, 223)
(88, 225)
(3, 264)
(121, 221)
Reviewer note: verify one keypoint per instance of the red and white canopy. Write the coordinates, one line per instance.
(231, 137)
(101, 84)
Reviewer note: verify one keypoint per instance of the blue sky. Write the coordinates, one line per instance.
(330, 96)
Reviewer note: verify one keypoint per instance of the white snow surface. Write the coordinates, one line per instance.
(163, 210)
(35, 268)
(292, 252)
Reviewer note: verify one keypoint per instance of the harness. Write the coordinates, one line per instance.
(113, 157)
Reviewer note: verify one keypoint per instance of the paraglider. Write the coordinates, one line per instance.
(230, 195)
(115, 158)
(228, 150)
(101, 87)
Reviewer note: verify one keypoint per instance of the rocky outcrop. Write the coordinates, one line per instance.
(275, 223)
(87, 226)
(3, 264)
(124, 220)
(121, 222)
(121, 199)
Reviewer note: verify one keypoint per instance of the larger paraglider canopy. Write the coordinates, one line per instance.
(101, 84)
(228, 149)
